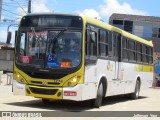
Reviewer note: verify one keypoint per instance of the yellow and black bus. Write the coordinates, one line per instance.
(74, 57)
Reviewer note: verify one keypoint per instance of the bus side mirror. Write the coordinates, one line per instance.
(9, 36)
(93, 37)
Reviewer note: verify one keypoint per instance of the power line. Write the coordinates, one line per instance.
(20, 6)
(10, 12)
(13, 4)
(7, 6)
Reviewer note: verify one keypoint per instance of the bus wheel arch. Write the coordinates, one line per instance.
(135, 94)
(101, 92)
(104, 83)
(139, 79)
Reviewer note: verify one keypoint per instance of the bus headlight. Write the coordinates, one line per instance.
(72, 82)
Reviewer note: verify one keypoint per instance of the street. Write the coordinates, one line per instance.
(148, 101)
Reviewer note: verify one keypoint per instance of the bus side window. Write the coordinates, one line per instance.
(124, 49)
(110, 53)
(103, 43)
(87, 42)
(115, 47)
(93, 48)
(150, 55)
(91, 43)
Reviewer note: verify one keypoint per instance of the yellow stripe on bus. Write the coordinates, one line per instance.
(143, 68)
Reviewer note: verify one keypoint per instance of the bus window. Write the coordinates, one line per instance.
(22, 44)
(139, 52)
(87, 42)
(103, 43)
(131, 50)
(144, 58)
(91, 45)
(115, 47)
(124, 49)
(150, 55)
(110, 53)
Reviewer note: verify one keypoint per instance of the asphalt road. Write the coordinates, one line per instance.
(149, 101)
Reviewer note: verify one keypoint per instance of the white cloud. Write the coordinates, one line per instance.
(90, 12)
(39, 6)
(113, 6)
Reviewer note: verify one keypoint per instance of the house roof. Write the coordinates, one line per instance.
(134, 17)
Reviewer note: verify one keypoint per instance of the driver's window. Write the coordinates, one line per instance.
(91, 45)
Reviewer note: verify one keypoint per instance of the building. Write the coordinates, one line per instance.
(2, 44)
(147, 27)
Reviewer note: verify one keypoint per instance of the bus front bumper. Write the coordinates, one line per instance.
(65, 93)
(18, 88)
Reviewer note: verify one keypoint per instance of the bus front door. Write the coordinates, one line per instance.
(117, 83)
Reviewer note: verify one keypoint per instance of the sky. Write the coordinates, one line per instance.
(13, 10)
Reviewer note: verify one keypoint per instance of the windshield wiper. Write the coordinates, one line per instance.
(37, 39)
(54, 40)
(34, 33)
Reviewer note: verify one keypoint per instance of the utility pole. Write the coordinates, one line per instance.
(29, 6)
(0, 9)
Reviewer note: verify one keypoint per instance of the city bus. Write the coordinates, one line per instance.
(75, 57)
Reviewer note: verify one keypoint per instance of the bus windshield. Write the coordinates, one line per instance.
(49, 49)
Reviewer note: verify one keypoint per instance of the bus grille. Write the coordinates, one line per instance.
(43, 91)
(45, 75)
(40, 83)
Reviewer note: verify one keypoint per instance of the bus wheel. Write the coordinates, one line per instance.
(98, 100)
(45, 100)
(135, 95)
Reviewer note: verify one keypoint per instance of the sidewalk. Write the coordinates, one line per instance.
(3, 80)
(5, 89)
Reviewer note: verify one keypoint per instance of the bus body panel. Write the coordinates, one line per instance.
(120, 75)
(73, 93)
(18, 88)
(126, 77)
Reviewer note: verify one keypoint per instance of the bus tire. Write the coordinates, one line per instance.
(45, 100)
(135, 94)
(97, 102)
